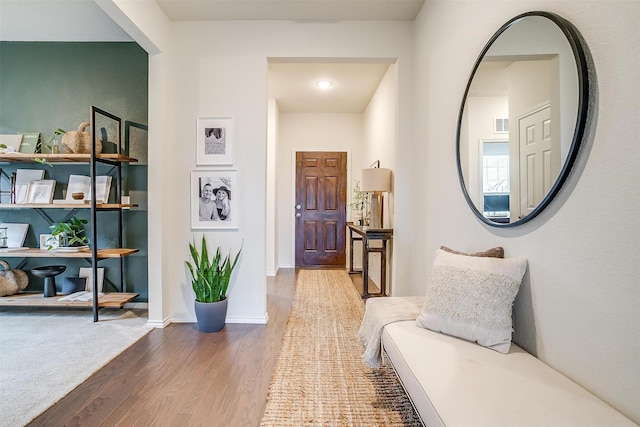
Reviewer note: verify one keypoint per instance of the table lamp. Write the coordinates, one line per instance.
(376, 181)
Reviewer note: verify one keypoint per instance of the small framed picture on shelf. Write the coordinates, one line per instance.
(88, 273)
(49, 242)
(215, 141)
(214, 199)
(41, 191)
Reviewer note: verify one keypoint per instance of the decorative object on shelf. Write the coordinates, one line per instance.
(82, 184)
(10, 143)
(49, 242)
(376, 180)
(11, 281)
(359, 203)
(215, 141)
(3, 237)
(210, 282)
(54, 142)
(72, 232)
(41, 191)
(24, 177)
(49, 273)
(30, 142)
(214, 199)
(79, 142)
(86, 273)
(7, 196)
(71, 285)
(16, 234)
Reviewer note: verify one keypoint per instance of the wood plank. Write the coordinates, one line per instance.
(64, 158)
(41, 253)
(99, 206)
(110, 299)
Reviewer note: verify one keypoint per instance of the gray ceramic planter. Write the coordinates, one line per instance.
(211, 316)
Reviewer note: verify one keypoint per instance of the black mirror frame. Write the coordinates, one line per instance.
(584, 67)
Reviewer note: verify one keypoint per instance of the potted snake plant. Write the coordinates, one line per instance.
(210, 282)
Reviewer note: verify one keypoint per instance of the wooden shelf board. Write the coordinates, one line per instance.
(61, 158)
(113, 299)
(99, 206)
(41, 253)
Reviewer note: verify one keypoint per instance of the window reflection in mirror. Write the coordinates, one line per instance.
(495, 181)
(519, 119)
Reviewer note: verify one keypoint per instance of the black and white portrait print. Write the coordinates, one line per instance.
(216, 199)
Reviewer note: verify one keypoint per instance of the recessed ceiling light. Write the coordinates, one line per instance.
(324, 84)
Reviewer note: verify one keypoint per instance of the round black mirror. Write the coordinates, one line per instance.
(523, 118)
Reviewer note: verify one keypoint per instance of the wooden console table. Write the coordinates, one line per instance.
(366, 234)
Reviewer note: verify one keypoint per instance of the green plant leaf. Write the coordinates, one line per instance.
(210, 276)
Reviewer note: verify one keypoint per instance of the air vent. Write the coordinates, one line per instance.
(501, 126)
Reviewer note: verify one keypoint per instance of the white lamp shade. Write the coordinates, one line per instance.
(376, 179)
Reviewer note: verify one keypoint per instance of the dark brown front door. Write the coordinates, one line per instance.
(320, 209)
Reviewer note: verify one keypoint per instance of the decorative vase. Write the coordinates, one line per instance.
(79, 142)
(211, 316)
(55, 145)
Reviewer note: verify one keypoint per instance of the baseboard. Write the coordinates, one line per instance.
(182, 319)
(247, 320)
(158, 323)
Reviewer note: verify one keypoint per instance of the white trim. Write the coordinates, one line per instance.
(273, 273)
(156, 324)
(249, 320)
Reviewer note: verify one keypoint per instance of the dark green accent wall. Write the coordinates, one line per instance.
(45, 86)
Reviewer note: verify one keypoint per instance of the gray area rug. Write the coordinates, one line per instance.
(46, 353)
(320, 378)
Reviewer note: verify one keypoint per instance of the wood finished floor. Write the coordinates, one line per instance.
(177, 376)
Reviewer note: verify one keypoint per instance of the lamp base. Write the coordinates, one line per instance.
(376, 210)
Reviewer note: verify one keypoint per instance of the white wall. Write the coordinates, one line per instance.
(380, 143)
(578, 308)
(310, 132)
(381, 132)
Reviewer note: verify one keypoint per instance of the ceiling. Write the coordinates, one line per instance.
(291, 81)
(293, 86)
(296, 10)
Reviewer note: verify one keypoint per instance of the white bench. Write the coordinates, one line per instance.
(454, 383)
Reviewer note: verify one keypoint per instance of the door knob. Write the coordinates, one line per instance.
(298, 215)
(298, 207)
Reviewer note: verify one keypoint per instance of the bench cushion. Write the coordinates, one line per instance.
(453, 382)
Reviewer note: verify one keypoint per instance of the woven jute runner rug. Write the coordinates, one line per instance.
(320, 377)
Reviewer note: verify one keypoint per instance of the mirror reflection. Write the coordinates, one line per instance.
(518, 120)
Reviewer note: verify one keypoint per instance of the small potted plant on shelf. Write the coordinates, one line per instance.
(359, 203)
(53, 143)
(210, 282)
(71, 233)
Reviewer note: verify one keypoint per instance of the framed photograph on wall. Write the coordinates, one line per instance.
(214, 199)
(215, 141)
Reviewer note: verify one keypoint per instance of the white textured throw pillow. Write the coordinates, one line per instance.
(472, 297)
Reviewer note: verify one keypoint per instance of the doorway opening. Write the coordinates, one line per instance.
(306, 118)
